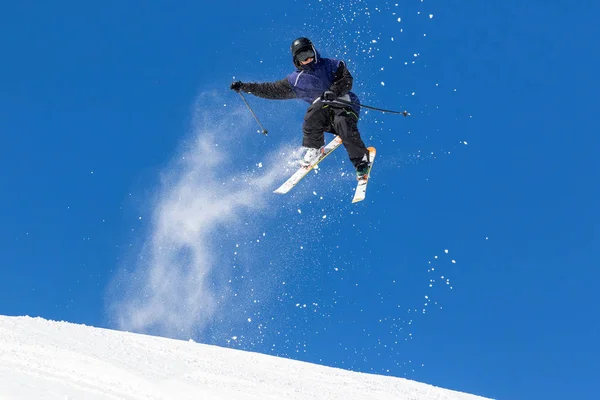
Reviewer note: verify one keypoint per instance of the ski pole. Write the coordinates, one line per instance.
(350, 103)
(264, 131)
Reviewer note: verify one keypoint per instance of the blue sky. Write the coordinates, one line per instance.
(112, 114)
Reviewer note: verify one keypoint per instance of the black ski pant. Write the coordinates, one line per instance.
(323, 117)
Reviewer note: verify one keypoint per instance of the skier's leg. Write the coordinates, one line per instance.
(317, 120)
(345, 124)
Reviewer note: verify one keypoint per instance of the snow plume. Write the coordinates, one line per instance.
(179, 279)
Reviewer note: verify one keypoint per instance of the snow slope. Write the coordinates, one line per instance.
(42, 359)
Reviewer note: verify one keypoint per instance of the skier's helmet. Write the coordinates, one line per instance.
(302, 49)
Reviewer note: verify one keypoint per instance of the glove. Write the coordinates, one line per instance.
(237, 86)
(328, 96)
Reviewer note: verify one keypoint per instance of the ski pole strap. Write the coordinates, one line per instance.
(350, 103)
(263, 130)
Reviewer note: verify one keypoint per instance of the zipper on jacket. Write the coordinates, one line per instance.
(298, 77)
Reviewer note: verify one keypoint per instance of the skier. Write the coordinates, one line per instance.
(319, 81)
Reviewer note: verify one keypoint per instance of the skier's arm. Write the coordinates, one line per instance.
(279, 90)
(342, 81)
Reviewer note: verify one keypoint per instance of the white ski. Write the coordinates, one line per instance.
(302, 171)
(361, 186)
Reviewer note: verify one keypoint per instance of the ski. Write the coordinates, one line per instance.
(361, 185)
(303, 171)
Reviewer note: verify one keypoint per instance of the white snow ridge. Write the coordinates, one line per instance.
(48, 360)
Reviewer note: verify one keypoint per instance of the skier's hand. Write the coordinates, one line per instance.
(328, 96)
(237, 86)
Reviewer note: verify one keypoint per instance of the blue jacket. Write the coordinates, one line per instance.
(309, 82)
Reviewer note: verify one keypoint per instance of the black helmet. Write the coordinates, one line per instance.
(302, 49)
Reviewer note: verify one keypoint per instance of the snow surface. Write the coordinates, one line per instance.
(41, 359)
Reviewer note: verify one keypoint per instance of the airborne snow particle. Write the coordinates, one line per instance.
(249, 319)
(399, 19)
(430, 16)
(382, 83)
(453, 261)
(259, 165)
(324, 216)
(299, 211)
(446, 251)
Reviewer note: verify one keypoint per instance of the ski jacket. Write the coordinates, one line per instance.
(309, 83)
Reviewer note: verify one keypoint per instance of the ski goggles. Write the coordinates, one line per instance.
(305, 54)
